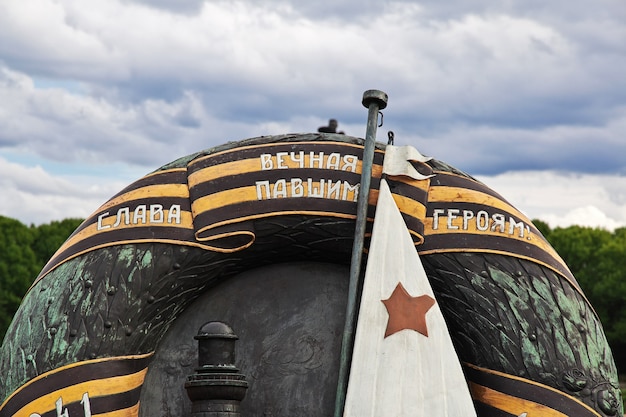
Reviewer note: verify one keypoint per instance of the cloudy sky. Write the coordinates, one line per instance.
(527, 96)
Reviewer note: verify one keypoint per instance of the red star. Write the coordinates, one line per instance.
(406, 312)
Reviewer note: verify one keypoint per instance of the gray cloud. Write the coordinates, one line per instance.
(488, 87)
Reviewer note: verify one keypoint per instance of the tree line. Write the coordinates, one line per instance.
(596, 257)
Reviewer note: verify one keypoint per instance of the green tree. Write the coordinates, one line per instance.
(608, 294)
(49, 237)
(18, 267)
(542, 226)
(580, 249)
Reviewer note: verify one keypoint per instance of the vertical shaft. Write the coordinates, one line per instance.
(375, 101)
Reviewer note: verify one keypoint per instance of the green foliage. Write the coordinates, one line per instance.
(542, 227)
(49, 237)
(579, 248)
(23, 252)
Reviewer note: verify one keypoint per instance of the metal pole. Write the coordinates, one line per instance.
(375, 101)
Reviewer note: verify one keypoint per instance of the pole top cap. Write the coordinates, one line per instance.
(375, 96)
(215, 330)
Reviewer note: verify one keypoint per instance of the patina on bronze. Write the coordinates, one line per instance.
(258, 234)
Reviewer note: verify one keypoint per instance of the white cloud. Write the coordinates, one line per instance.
(254, 47)
(562, 199)
(487, 87)
(33, 195)
(588, 216)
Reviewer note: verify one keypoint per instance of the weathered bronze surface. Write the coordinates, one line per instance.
(123, 301)
(289, 319)
(536, 325)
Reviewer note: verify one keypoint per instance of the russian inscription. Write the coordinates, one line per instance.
(481, 220)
